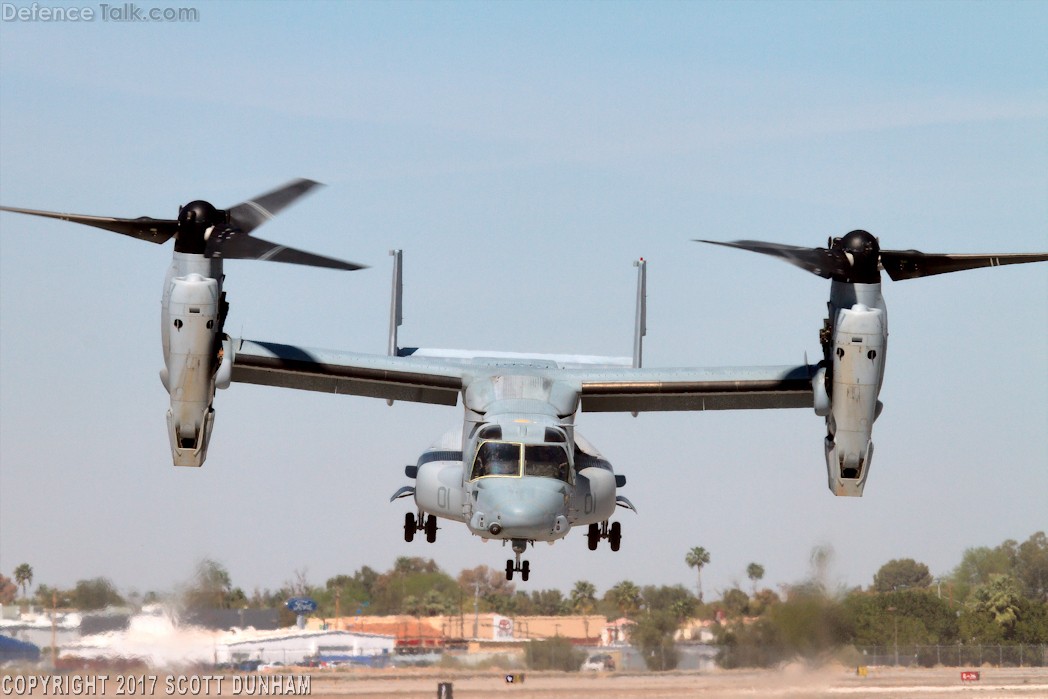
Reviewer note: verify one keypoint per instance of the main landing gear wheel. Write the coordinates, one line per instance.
(612, 533)
(421, 523)
(514, 565)
(409, 526)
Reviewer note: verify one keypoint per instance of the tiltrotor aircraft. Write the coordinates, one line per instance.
(517, 469)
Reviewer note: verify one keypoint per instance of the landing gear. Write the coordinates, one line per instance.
(422, 523)
(612, 533)
(409, 526)
(514, 565)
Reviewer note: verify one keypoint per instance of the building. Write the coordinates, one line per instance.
(307, 647)
(453, 630)
(412, 635)
(42, 628)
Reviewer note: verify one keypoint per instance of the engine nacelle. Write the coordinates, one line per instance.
(194, 364)
(438, 489)
(593, 499)
(857, 353)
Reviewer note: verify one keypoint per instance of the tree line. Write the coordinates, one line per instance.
(994, 595)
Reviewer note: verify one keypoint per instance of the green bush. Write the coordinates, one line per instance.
(555, 653)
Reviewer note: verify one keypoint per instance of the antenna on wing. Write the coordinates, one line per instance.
(641, 324)
(396, 304)
(641, 328)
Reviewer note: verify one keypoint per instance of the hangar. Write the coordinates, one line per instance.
(293, 647)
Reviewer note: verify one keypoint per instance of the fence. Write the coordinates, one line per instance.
(1011, 655)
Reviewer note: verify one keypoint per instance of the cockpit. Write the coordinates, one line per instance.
(497, 457)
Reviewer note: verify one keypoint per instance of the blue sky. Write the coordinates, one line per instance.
(522, 155)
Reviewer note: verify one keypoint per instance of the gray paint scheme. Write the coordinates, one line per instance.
(624, 390)
(523, 406)
(517, 469)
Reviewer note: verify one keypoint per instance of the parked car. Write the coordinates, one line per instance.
(599, 663)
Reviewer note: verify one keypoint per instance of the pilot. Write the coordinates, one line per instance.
(501, 467)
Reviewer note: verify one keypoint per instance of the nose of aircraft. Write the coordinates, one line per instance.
(521, 508)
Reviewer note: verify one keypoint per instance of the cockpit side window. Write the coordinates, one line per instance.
(490, 432)
(546, 460)
(555, 435)
(496, 459)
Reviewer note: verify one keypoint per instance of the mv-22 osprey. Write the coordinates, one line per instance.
(518, 470)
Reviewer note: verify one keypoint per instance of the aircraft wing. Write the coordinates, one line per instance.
(726, 388)
(351, 373)
(439, 380)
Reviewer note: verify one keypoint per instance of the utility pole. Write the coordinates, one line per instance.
(54, 645)
(476, 607)
(895, 626)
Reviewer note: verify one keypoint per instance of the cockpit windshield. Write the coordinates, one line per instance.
(503, 459)
(549, 460)
(496, 459)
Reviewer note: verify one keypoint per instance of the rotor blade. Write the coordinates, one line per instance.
(153, 230)
(911, 264)
(249, 215)
(821, 261)
(245, 247)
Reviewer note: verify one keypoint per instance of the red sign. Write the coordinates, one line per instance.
(969, 675)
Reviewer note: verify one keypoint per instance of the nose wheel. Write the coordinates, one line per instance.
(515, 565)
(422, 523)
(612, 532)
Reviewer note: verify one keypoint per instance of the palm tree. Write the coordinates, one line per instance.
(755, 571)
(697, 558)
(583, 601)
(434, 604)
(626, 596)
(583, 597)
(24, 577)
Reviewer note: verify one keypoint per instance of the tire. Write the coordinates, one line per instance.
(431, 528)
(509, 570)
(615, 536)
(593, 537)
(409, 527)
(525, 571)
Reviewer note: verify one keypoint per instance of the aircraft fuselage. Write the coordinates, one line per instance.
(516, 469)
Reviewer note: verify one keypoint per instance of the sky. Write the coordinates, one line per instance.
(523, 155)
